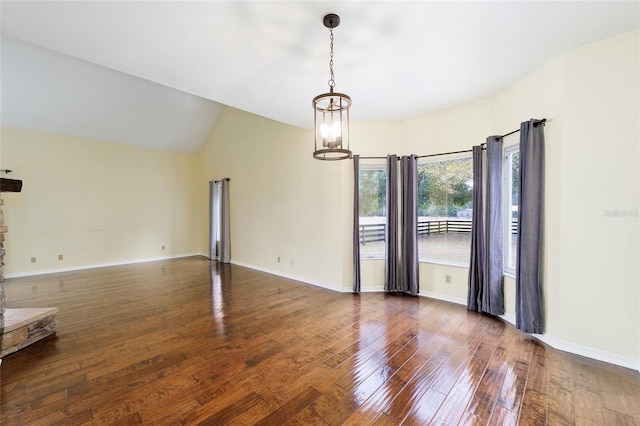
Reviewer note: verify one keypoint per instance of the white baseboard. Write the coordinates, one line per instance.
(305, 280)
(444, 297)
(588, 352)
(576, 349)
(97, 265)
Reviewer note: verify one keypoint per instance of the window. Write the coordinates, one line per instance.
(373, 206)
(444, 210)
(511, 187)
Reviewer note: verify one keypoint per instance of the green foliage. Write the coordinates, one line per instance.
(444, 187)
(515, 177)
(373, 192)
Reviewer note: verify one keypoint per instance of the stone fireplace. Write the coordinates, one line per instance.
(23, 326)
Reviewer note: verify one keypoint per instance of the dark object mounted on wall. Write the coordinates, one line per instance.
(10, 185)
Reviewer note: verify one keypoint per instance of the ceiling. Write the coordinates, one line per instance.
(158, 73)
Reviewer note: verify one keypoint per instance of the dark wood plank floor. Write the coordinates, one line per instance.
(188, 341)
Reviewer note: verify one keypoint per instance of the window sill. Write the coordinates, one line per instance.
(510, 274)
(372, 258)
(445, 263)
(430, 261)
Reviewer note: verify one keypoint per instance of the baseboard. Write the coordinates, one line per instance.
(97, 265)
(444, 297)
(588, 352)
(576, 349)
(290, 276)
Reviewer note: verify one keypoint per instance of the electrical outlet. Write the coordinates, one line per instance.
(60, 257)
(33, 260)
(162, 247)
(278, 259)
(291, 262)
(447, 279)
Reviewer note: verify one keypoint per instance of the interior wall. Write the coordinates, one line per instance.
(591, 184)
(288, 210)
(96, 203)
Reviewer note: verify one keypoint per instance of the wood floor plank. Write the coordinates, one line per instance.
(291, 408)
(189, 341)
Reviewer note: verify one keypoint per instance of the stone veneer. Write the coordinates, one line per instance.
(3, 229)
(24, 326)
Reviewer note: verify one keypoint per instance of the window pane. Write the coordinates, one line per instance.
(373, 205)
(444, 210)
(514, 176)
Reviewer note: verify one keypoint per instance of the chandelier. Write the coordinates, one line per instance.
(331, 113)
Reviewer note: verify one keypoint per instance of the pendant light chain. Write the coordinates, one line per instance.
(332, 81)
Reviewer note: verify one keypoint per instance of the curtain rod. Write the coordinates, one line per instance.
(543, 121)
(535, 123)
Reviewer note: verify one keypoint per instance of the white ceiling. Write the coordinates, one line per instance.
(395, 59)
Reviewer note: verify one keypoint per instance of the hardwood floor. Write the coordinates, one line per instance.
(189, 341)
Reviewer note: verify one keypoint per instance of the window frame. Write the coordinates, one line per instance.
(507, 167)
(431, 160)
(372, 166)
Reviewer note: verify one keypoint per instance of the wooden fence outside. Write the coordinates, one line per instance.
(374, 232)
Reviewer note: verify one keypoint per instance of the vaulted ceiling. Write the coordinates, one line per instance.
(158, 73)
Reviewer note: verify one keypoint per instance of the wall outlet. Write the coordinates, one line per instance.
(278, 259)
(60, 257)
(162, 247)
(33, 260)
(447, 279)
(291, 262)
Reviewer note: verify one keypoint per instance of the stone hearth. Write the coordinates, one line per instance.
(23, 326)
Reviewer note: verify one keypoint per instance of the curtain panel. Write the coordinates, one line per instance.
(220, 243)
(529, 314)
(225, 238)
(409, 225)
(356, 224)
(476, 263)
(392, 256)
(486, 291)
(493, 296)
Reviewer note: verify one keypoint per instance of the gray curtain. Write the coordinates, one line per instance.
(225, 255)
(529, 315)
(392, 258)
(493, 296)
(409, 225)
(356, 224)
(477, 263)
(486, 292)
(221, 241)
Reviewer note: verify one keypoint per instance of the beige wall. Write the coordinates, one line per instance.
(96, 203)
(592, 275)
(283, 202)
